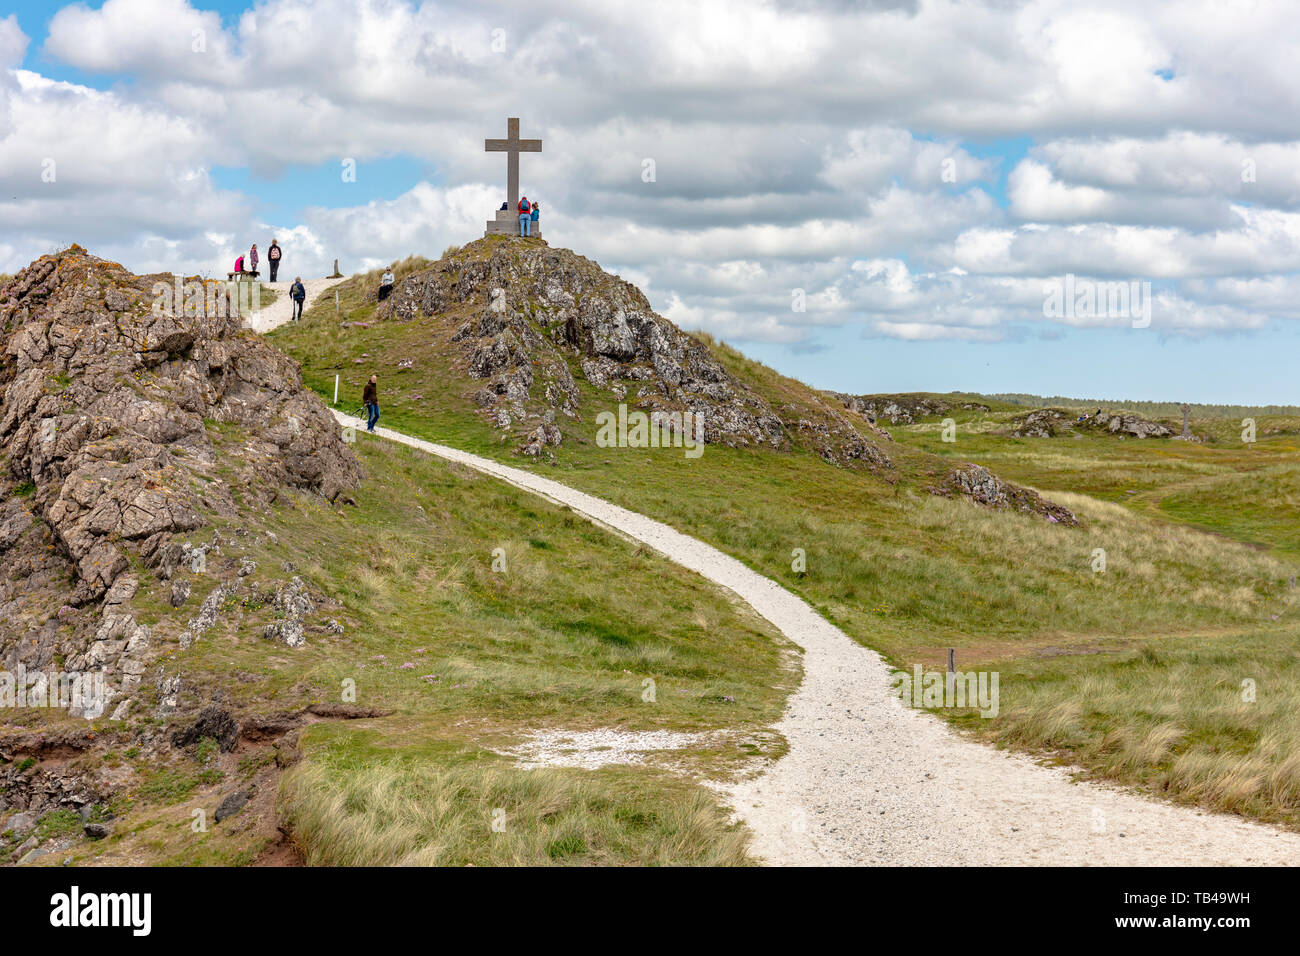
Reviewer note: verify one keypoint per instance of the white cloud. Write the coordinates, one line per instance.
(796, 146)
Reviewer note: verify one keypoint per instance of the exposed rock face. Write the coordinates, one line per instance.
(1051, 422)
(111, 413)
(983, 487)
(901, 409)
(1043, 423)
(536, 315)
(1133, 425)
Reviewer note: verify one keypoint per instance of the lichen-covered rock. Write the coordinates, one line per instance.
(534, 311)
(978, 484)
(124, 425)
(291, 604)
(1053, 422)
(901, 409)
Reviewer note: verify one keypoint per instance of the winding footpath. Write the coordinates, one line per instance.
(868, 781)
(281, 310)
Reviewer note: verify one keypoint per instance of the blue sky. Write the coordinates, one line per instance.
(1106, 146)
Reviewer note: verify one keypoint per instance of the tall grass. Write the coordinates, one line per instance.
(912, 574)
(401, 813)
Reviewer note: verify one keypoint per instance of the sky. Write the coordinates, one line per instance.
(1090, 199)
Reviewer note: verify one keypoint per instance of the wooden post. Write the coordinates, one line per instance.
(950, 682)
(336, 389)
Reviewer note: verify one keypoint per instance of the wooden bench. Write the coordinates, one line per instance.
(232, 276)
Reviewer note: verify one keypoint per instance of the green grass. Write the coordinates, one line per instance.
(1199, 539)
(453, 807)
(564, 637)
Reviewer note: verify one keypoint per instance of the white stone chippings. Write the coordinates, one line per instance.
(592, 749)
(869, 781)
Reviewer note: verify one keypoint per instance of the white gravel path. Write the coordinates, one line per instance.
(869, 781)
(281, 310)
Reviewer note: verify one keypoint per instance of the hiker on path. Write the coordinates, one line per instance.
(297, 292)
(537, 213)
(273, 257)
(370, 398)
(524, 216)
(252, 257)
(386, 284)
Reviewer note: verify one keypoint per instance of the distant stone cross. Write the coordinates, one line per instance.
(1187, 432)
(512, 146)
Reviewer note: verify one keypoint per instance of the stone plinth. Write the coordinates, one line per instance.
(506, 223)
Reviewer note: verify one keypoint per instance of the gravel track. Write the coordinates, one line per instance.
(281, 310)
(870, 781)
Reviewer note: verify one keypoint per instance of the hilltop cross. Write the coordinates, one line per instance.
(512, 146)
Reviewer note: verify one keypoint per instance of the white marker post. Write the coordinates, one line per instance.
(336, 389)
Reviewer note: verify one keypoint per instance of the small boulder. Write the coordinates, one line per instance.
(97, 831)
(232, 805)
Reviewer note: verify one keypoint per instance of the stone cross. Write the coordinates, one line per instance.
(1187, 432)
(512, 146)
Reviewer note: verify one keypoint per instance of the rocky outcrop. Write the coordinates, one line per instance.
(125, 423)
(528, 318)
(901, 409)
(1042, 423)
(1052, 422)
(978, 484)
(1134, 426)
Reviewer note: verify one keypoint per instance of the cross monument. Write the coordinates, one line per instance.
(507, 220)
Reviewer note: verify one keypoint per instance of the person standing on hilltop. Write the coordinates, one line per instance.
(537, 214)
(524, 215)
(252, 257)
(297, 292)
(370, 398)
(273, 258)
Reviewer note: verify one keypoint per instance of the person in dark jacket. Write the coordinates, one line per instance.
(273, 258)
(370, 398)
(297, 292)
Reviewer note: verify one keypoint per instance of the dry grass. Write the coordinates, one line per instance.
(423, 813)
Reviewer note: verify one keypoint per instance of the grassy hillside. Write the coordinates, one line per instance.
(1244, 490)
(1163, 409)
(913, 574)
(458, 662)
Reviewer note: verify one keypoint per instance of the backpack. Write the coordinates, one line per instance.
(523, 205)
(273, 254)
